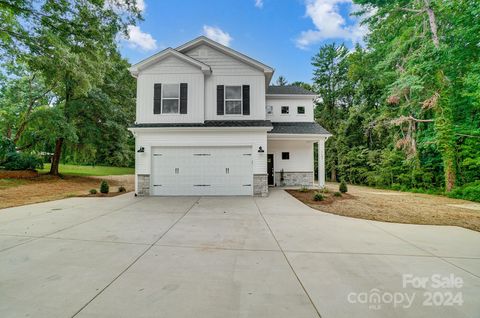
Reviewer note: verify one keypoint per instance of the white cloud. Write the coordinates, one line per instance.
(139, 39)
(330, 24)
(141, 5)
(217, 34)
(259, 3)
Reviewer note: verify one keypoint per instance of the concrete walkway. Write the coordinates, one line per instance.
(228, 257)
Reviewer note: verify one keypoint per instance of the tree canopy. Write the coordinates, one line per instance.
(404, 110)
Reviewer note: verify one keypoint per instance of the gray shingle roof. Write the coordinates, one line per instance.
(210, 123)
(298, 128)
(288, 90)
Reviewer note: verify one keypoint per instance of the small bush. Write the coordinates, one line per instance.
(318, 197)
(104, 187)
(343, 187)
(324, 190)
(22, 161)
(337, 194)
(470, 191)
(93, 191)
(303, 189)
(122, 189)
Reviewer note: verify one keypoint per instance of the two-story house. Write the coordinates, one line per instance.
(208, 123)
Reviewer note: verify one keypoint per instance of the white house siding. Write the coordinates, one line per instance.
(170, 71)
(298, 169)
(153, 138)
(293, 103)
(227, 70)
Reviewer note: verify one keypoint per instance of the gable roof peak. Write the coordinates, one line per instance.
(136, 68)
(226, 50)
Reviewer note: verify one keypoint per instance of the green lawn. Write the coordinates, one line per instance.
(89, 170)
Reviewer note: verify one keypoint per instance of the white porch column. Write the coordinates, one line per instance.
(321, 163)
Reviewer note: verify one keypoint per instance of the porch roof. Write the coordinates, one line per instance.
(308, 128)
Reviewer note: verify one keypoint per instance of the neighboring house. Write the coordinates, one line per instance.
(208, 123)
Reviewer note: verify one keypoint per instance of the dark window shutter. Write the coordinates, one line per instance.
(157, 98)
(246, 99)
(220, 98)
(183, 98)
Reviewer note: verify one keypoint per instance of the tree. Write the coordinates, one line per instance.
(304, 85)
(422, 44)
(335, 92)
(281, 81)
(70, 45)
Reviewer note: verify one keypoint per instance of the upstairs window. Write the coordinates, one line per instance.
(233, 100)
(301, 110)
(285, 110)
(269, 109)
(285, 155)
(170, 98)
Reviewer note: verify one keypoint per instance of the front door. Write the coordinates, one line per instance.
(270, 169)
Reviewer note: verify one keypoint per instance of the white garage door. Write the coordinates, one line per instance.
(202, 171)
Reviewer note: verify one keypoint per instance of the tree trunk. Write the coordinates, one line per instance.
(56, 157)
(333, 174)
(433, 23)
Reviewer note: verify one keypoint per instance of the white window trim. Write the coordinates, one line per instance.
(232, 100)
(163, 90)
(283, 114)
(304, 111)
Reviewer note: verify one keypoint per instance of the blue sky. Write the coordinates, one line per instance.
(283, 34)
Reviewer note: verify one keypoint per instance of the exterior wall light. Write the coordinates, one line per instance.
(260, 149)
(141, 149)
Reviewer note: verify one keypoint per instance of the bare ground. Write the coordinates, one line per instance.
(46, 188)
(394, 206)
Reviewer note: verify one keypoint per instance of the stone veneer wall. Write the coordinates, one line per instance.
(294, 178)
(143, 187)
(260, 185)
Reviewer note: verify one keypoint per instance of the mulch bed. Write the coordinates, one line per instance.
(18, 174)
(307, 197)
(104, 195)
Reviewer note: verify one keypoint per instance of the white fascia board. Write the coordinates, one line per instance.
(135, 69)
(228, 51)
(312, 137)
(193, 129)
(291, 96)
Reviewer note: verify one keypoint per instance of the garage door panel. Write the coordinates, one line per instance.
(202, 171)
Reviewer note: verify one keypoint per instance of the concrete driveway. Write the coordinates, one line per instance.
(228, 257)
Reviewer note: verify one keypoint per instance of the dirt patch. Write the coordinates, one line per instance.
(46, 188)
(18, 174)
(388, 206)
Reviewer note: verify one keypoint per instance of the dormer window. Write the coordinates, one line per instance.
(170, 99)
(233, 100)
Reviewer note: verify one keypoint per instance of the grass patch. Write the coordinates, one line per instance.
(400, 207)
(84, 171)
(11, 183)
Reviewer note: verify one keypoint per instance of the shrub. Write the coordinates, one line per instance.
(122, 189)
(93, 191)
(337, 194)
(22, 161)
(104, 187)
(470, 191)
(318, 197)
(324, 190)
(303, 189)
(343, 187)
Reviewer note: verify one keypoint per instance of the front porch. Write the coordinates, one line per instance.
(291, 160)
